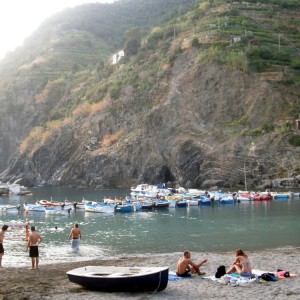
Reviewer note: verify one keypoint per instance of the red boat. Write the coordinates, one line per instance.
(49, 203)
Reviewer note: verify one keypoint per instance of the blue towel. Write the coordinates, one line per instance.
(175, 277)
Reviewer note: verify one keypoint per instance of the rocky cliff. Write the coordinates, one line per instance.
(191, 122)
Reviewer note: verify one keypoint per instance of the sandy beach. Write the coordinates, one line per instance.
(51, 281)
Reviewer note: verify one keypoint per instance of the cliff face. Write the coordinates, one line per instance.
(188, 137)
(189, 109)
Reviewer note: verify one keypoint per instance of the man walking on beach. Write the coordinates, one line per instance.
(75, 234)
(186, 266)
(2, 232)
(33, 242)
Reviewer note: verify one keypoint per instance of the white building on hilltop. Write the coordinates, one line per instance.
(117, 56)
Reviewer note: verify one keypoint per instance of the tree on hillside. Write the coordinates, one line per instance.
(132, 41)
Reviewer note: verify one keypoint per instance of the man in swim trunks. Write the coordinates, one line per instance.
(186, 266)
(75, 234)
(241, 264)
(2, 232)
(33, 242)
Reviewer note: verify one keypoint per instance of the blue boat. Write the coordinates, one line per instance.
(181, 203)
(161, 203)
(205, 200)
(146, 204)
(227, 200)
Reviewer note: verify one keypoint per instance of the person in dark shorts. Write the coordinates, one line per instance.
(185, 266)
(33, 243)
(2, 232)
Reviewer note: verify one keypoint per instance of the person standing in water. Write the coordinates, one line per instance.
(2, 232)
(33, 243)
(75, 234)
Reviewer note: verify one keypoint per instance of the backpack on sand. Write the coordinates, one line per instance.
(220, 272)
(268, 277)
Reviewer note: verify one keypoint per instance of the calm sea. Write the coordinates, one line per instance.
(251, 226)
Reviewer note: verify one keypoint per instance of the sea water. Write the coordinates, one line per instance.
(251, 226)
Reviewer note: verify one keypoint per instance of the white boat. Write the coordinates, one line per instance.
(57, 212)
(34, 207)
(243, 198)
(95, 207)
(78, 205)
(9, 208)
(150, 191)
(121, 279)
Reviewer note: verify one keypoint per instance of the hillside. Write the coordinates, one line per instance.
(205, 94)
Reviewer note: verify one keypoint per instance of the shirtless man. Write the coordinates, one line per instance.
(75, 234)
(33, 242)
(241, 264)
(185, 266)
(2, 232)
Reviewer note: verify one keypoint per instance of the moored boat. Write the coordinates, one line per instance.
(181, 203)
(98, 207)
(49, 203)
(121, 279)
(203, 200)
(160, 203)
(57, 212)
(34, 207)
(227, 200)
(146, 204)
(9, 208)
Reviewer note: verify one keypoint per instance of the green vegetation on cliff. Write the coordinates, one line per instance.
(225, 69)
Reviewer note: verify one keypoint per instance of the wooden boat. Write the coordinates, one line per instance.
(161, 203)
(57, 212)
(78, 205)
(282, 196)
(121, 279)
(146, 204)
(49, 203)
(227, 200)
(34, 207)
(9, 208)
(98, 207)
(205, 200)
(127, 207)
(181, 203)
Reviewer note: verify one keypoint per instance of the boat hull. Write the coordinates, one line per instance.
(118, 280)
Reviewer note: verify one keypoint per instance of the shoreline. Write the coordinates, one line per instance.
(51, 281)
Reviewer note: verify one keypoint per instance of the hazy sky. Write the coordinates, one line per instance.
(20, 18)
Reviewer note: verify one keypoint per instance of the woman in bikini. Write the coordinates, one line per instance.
(241, 264)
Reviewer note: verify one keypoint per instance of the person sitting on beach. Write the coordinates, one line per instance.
(241, 264)
(75, 234)
(186, 266)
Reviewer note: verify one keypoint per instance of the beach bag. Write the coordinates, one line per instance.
(221, 271)
(268, 277)
(283, 273)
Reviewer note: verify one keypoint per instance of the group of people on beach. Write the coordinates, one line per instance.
(33, 241)
(186, 267)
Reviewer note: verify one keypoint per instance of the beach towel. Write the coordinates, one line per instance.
(174, 277)
(237, 280)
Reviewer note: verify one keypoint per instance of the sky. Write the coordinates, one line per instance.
(20, 18)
